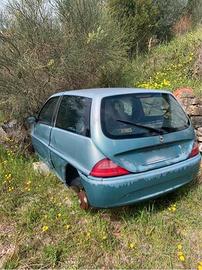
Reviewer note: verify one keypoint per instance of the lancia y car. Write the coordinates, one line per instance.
(116, 146)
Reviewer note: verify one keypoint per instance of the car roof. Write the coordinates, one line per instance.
(104, 92)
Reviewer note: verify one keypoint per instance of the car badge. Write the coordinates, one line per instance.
(161, 139)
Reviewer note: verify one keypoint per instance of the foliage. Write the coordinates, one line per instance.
(194, 7)
(48, 48)
(138, 19)
(168, 66)
(169, 13)
(147, 21)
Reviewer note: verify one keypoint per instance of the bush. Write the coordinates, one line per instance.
(138, 19)
(169, 13)
(46, 48)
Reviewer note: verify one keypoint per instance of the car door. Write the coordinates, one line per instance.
(70, 137)
(42, 130)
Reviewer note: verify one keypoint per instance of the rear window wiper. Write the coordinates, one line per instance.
(160, 131)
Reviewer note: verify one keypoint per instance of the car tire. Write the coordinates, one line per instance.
(83, 200)
(77, 187)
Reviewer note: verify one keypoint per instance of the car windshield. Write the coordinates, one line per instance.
(141, 115)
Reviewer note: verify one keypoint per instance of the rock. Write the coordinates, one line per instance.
(194, 110)
(41, 168)
(183, 92)
(12, 123)
(199, 131)
(189, 101)
(200, 139)
(196, 121)
(200, 147)
(10, 126)
(3, 135)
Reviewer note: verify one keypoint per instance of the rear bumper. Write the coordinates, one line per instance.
(129, 189)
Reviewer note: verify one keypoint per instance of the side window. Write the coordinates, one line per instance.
(46, 113)
(154, 106)
(74, 115)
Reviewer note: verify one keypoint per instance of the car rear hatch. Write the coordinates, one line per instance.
(141, 132)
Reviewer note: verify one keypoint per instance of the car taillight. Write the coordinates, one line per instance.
(194, 151)
(107, 168)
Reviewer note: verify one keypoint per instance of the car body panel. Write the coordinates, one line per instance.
(41, 140)
(70, 148)
(99, 93)
(138, 187)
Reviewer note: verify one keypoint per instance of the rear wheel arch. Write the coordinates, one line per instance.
(72, 176)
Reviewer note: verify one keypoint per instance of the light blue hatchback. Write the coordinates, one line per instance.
(116, 146)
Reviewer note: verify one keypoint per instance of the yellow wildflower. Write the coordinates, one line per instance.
(199, 266)
(67, 226)
(10, 189)
(179, 246)
(131, 245)
(50, 63)
(172, 208)
(45, 228)
(59, 215)
(166, 82)
(104, 237)
(182, 258)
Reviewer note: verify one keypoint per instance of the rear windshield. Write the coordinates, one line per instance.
(141, 115)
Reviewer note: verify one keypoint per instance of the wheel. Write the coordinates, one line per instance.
(76, 185)
(83, 200)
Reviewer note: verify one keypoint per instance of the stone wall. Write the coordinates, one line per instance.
(193, 106)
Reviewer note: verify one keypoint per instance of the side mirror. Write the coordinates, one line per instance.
(31, 120)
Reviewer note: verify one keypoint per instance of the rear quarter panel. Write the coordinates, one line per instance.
(69, 148)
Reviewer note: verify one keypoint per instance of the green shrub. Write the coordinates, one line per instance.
(46, 49)
(138, 19)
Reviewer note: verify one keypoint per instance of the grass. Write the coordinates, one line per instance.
(42, 226)
(168, 66)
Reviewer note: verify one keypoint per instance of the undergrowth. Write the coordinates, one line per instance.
(169, 66)
(42, 226)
